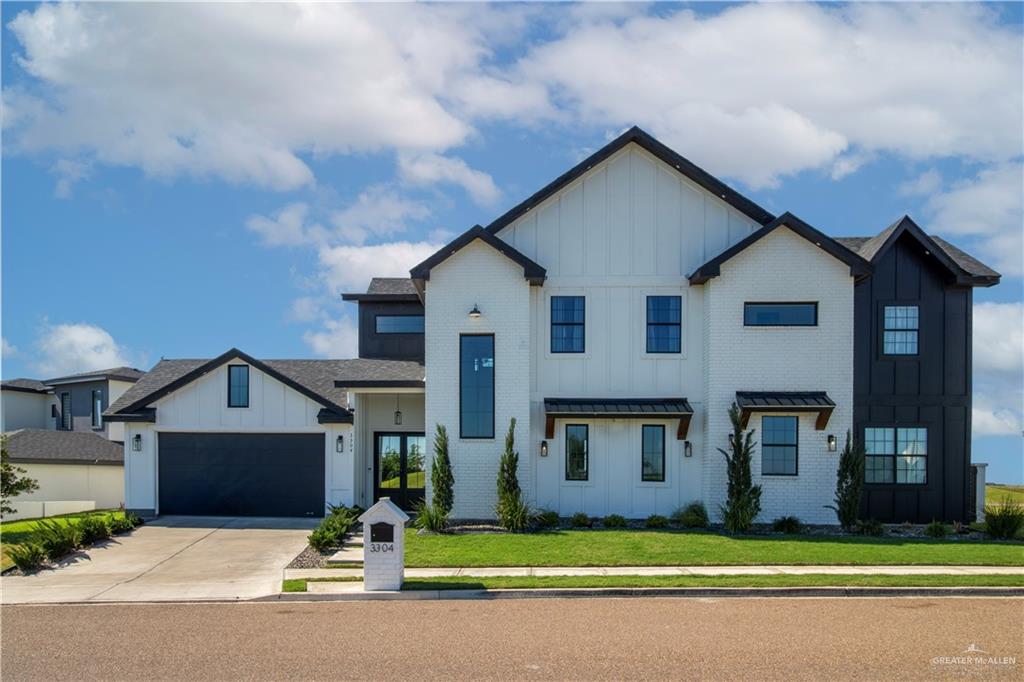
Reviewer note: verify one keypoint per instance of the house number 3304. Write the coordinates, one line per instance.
(382, 547)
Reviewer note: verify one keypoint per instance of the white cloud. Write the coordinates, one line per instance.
(998, 343)
(304, 309)
(69, 348)
(287, 227)
(337, 339)
(428, 169)
(69, 172)
(377, 211)
(9, 350)
(989, 209)
(924, 184)
(349, 268)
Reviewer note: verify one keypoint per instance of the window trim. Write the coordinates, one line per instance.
(795, 446)
(65, 414)
(376, 329)
(97, 415)
(882, 305)
(648, 324)
(494, 384)
(248, 375)
(586, 454)
(552, 323)
(894, 484)
(813, 304)
(664, 457)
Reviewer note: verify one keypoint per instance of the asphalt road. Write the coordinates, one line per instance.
(656, 638)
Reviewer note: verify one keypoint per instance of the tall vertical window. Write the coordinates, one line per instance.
(899, 336)
(652, 466)
(577, 464)
(664, 324)
(778, 446)
(568, 325)
(97, 409)
(896, 455)
(476, 386)
(65, 411)
(238, 386)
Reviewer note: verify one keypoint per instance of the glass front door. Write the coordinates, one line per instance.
(399, 461)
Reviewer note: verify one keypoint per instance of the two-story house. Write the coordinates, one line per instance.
(616, 315)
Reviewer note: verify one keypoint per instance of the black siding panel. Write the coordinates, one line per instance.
(388, 346)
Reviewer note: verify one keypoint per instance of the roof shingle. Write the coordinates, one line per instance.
(62, 447)
(116, 373)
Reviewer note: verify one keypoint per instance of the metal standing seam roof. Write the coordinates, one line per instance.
(668, 407)
(784, 399)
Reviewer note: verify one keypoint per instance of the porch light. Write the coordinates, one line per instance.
(137, 442)
(339, 444)
(475, 313)
(832, 442)
(543, 448)
(398, 411)
(687, 449)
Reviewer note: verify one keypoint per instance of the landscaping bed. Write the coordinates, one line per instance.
(36, 543)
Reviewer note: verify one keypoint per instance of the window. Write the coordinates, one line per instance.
(897, 455)
(778, 446)
(780, 314)
(652, 466)
(577, 465)
(664, 323)
(900, 330)
(399, 324)
(65, 411)
(97, 409)
(238, 386)
(476, 385)
(567, 324)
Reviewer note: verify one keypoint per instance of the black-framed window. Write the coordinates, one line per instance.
(652, 466)
(779, 446)
(568, 324)
(238, 386)
(780, 314)
(577, 456)
(66, 422)
(664, 324)
(97, 409)
(899, 329)
(476, 386)
(399, 324)
(896, 455)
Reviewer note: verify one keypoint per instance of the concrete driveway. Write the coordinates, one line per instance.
(172, 558)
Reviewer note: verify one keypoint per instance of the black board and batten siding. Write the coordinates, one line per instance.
(931, 389)
(388, 346)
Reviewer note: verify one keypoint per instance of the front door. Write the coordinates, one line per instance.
(398, 468)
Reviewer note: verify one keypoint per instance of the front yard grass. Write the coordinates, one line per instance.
(681, 548)
(17, 532)
(997, 494)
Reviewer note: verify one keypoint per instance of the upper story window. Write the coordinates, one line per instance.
(238, 386)
(476, 386)
(577, 458)
(97, 409)
(897, 455)
(780, 314)
(778, 446)
(899, 335)
(568, 326)
(664, 324)
(65, 411)
(652, 466)
(399, 324)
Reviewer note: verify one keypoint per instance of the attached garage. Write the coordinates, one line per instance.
(241, 474)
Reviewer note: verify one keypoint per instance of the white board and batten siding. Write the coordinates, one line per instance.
(201, 406)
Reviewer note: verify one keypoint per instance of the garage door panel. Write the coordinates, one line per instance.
(241, 474)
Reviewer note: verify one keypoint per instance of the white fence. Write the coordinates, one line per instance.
(30, 509)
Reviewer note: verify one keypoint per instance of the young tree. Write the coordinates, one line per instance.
(849, 482)
(512, 512)
(743, 501)
(442, 481)
(12, 480)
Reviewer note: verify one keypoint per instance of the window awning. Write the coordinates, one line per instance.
(618, 408)
(785, 401)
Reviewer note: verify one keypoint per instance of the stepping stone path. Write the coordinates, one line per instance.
(351, 551)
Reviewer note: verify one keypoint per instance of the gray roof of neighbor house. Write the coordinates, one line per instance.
(62, 447)
(24, 385)
(386, 289)
(115, 373)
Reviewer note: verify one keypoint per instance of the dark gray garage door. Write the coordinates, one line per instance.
(242, 474)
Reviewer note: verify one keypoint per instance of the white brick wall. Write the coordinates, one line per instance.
(479, 275)
(780, 267)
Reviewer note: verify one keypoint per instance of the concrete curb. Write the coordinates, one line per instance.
(691, 592)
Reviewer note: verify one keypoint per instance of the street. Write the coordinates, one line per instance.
(638, 638)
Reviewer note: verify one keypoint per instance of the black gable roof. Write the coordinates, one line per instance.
(531, 270)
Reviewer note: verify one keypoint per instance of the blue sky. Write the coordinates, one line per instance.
(182, 179)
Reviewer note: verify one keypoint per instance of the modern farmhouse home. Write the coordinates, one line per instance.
(616, 315)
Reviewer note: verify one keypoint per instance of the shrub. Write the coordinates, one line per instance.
(580, 520)
(512, 512)
(693, 515)
(121, 524)
(57, 539)
(94, 528)
(849, 483)
(322, 538)
(656, 521)
(516, 515)
(27, 557)
(135, 519)
(743, 500)
(13, 482)
(545, 518)
(790, 525)
(1004, 521)
(869, 527)
(331, 531)
(614, 521)
(936, 529)
(431, 517)
(442, 480)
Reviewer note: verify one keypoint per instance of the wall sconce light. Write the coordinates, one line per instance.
(543, 448)
(398, 411)
(475, 313)
(339, 444)
(687, 449)
(137, 442)
(832, 442)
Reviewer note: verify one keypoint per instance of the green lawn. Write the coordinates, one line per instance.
(678, 548)
(997, 494)
(16, 532)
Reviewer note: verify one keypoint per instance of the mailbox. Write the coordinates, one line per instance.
(382, 532)
(383, 546)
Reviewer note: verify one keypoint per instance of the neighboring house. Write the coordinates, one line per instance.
(24, 404)
(74, 471)
(616, 315)
(80, 399)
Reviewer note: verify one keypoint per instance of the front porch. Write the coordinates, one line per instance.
(390, 446)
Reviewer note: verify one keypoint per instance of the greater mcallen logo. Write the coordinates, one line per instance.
(973, 655)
